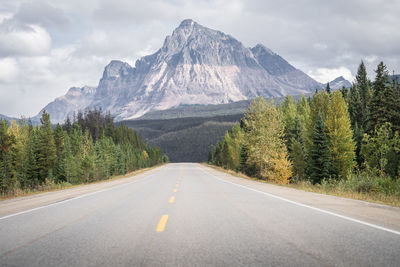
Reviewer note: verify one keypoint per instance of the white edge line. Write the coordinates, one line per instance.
(307, 206)
(74, 198)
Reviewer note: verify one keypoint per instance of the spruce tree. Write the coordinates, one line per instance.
(328, 88)
(319, 106)
(379, 109)
(364, 88)
(355, 107)
(6, 142)
(319, 158)
(47, 156)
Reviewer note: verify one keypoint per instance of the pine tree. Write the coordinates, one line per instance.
(319, 106)
(47, 156)
(32, 155)
(328, 88)
(6, 142)
(341, 145)
(364, 88)
(378, 109)
(319, 159)
(355, 107)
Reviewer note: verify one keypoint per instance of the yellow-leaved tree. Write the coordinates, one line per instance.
(342, 145)
(263, 138)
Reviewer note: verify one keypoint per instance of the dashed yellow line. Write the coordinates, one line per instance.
(163, 222)
(175, 190)
(177, 184)
(171, 200)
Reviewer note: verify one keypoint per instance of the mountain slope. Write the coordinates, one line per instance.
(195, 65)
(338, 83)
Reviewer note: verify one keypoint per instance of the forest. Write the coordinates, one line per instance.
(88, 148)
(348, 139)
(184, 139)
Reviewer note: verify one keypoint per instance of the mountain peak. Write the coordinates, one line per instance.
(115, 69)
(187, 23)
(260, 48)
(339, 82)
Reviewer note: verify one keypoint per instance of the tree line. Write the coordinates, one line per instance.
(86, 149)
(331, 136)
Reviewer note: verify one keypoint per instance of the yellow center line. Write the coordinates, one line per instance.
(163, 222)
(171, 200)
(175, 190)
(177, 184)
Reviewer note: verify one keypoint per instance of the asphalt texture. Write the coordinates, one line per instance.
(187, 215)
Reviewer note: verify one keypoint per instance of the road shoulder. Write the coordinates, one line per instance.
(20, 204)
(378, 214)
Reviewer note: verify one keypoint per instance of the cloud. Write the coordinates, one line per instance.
(49, 46)
(23, 40)
(41, 13)
(8, 69)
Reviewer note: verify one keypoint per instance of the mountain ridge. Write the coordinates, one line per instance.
(195, 65)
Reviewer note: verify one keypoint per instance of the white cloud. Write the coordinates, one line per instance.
(48, 46)
(8, 69)
(324, 75)
(27, 40)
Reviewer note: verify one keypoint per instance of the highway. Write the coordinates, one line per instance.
(186, 214)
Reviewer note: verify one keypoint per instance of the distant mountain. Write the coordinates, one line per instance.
(76, 99)
(339, 83)
(195, 65)
(4, 117)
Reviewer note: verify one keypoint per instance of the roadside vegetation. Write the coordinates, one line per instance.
(345, 142)
(88, 149)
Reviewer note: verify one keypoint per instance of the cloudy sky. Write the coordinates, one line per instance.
(48, 46)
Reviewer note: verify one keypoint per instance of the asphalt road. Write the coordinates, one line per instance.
(189, 215)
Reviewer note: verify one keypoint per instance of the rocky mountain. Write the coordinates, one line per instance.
(74, 100)
(195, 65)
(339, 82)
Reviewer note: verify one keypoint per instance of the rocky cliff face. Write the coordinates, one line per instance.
(195, 65)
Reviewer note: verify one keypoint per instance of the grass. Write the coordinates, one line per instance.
(366, 186)
(51, 186)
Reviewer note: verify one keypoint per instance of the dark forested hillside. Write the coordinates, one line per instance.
(184, 139)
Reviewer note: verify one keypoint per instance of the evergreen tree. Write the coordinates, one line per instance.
(32, 157)
(382, 150)
(378, 109)
(319, 159)
(319, 106)
(6, 142)
(47, 156)
(364, 88)
(355, 107)
(328, 88)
